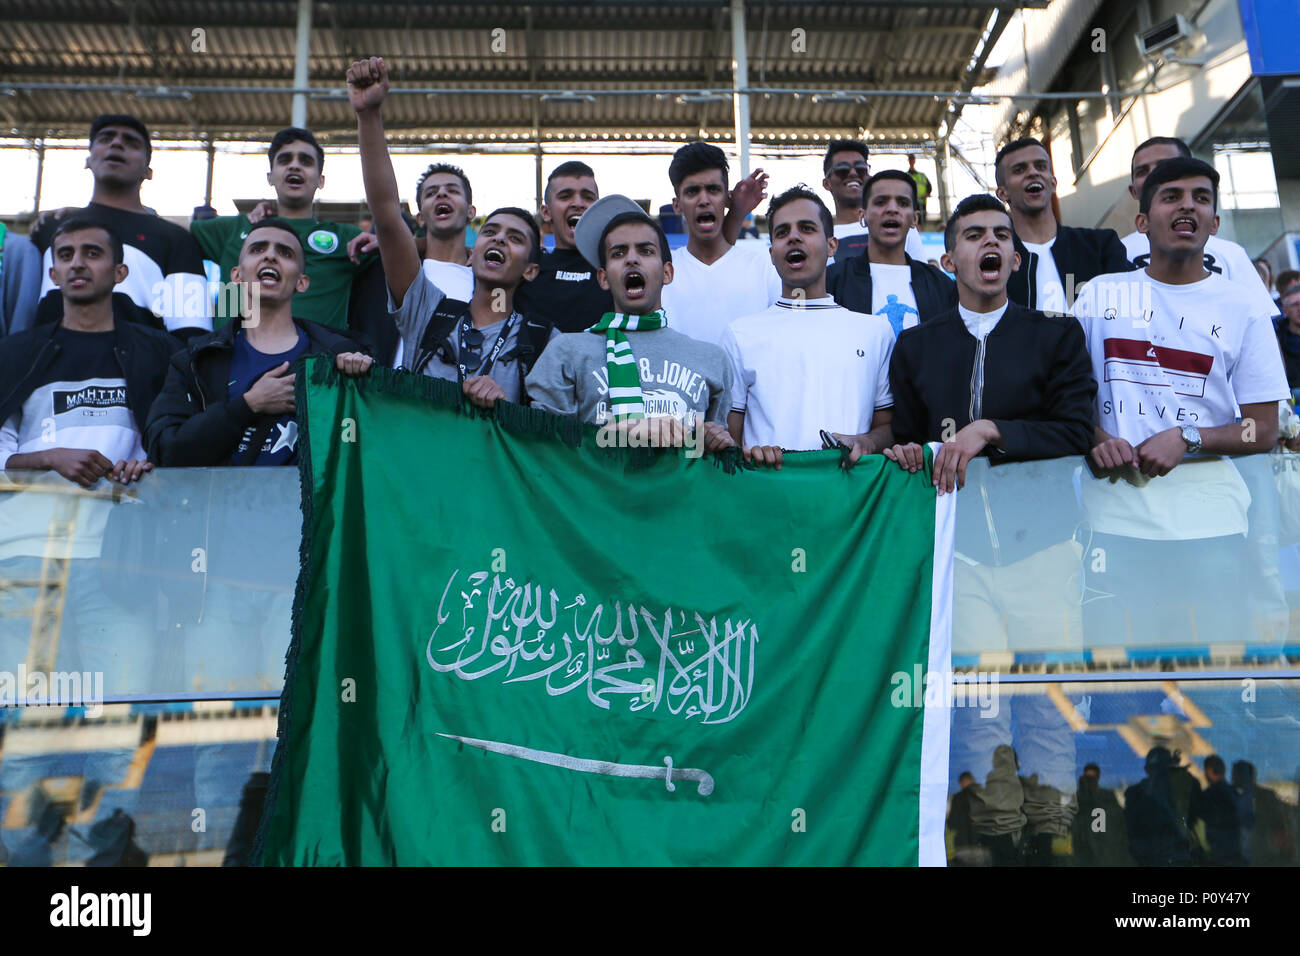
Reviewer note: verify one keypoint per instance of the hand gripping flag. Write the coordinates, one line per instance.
(515, 646)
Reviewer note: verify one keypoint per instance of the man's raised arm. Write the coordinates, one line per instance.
(367, 87)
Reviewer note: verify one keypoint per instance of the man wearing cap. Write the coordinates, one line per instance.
(630, 366)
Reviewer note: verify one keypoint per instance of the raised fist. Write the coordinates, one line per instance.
(367, 83)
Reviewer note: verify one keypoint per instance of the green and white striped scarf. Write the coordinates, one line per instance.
(625, 400)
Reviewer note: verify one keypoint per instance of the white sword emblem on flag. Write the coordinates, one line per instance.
(667, 773)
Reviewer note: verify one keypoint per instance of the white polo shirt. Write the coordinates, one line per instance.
(800, 366)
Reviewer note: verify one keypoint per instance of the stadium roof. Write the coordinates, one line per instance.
(618, 70)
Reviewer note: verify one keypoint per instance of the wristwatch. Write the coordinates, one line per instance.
(1192, 435)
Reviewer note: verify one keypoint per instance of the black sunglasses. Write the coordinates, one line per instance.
(473, 342)
(843, 170)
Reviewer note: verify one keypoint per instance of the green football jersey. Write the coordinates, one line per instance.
(325, 245)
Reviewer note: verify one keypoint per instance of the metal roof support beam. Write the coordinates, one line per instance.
(972, 77)
(301, 54)
(530, 45)
(941, 171)
(40, 175)
(211, 150)
(740, 81)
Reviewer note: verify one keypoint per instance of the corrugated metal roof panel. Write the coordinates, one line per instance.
(653, 44)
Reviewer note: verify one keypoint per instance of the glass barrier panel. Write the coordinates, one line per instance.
(176, 784)
(1059, 570)
(1122, 773)
(179, 586)
(182, 783)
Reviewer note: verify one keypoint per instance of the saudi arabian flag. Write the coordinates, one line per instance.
(514, 646)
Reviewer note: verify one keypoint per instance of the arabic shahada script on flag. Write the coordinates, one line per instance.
(641, 658)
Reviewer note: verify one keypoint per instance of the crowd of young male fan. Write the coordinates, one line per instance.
(1053, 341)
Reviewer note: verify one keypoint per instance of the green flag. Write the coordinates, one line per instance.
(515, 646)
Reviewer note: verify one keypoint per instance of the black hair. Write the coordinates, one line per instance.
(574, 167)
(800, 192)
(622, 219)
(1158, 759)
(978, 202)
(1091, 766)
(696, 158)
(964, 774)
(444, 168)
(1215, 762)
(275, 222)
(80, 224)
(1015, 146)
(295, 134)
(1287, 277)
(1181, 145)
(122, 119)
(535, 254)
(1169, 170)
(898, 174)
(843, 146)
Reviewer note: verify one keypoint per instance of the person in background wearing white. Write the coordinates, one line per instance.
(1222, 256)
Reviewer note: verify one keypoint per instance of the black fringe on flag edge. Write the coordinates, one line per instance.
(519, 419)
(279, 762)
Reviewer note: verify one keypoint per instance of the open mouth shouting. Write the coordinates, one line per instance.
(494, 256)
(296, 180)
(706, 221)
(572, 221)
(634, 285)
(441, 210)
(796, 258)
(1185, 227)
(268, 273)
(991, 267)
(891, 225)
(1035, 188)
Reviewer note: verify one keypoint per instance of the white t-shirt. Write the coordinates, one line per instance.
(1166, 356)
(454, 279)
(1049, 292)
(803, 365)
(702, 300)
(980, 324)
(892, 297)
(1221, 255)
(456, 282)
(913, 246)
